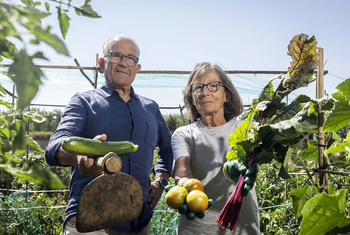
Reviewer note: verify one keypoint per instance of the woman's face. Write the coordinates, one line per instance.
(209, 103)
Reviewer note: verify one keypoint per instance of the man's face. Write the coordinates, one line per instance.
(120, 75)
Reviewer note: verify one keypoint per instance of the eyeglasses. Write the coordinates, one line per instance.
(116, 57)
(212, 87)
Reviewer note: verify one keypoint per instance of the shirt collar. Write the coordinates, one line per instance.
(108, 91)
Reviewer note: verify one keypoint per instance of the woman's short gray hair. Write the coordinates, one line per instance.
(232, 107)
(107, 46)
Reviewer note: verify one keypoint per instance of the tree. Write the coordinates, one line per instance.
(21, 29)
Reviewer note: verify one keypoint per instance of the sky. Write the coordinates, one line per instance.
(239, 35)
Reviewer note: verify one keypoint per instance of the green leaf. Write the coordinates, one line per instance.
(86, 10)
(292, 109)
(47, 6)
(284, 168)
(5, 132)
(63, 19)
(300, 196)
(32, 143)
(338, 147)
(265, 156)
(344, 87)
(27, 78)
(238, 141)
(339, 116)
(302, 122)
(44, 34)
(310, 151)
(266, 93)
(6, 104)
(303, 50)
(324, 212)
(34, 116)
(37, 174)
(19, 142)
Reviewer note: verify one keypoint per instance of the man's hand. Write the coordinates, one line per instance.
(87, 164)
(155, 193)
(155, 190)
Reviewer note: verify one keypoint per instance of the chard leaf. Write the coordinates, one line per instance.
(240, 133)
(266, 155)
(284, 168)
(239, 142)
(302, 122)
(292, 109)
(323, 213)
(303, 50)
(266, 93)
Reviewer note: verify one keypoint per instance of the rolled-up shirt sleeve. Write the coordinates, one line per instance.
(72, 124)
(165, 160)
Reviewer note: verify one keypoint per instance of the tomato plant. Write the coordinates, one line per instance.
(22, 23)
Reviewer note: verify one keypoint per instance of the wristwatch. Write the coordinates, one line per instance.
(163, 182)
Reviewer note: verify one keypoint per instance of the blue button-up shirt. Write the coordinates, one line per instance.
(103, 111)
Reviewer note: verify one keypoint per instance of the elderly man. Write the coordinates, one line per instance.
(114, 112)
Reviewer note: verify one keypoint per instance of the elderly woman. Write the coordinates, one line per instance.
(200, 149)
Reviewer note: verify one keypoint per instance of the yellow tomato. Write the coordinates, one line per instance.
(193, 184)
(175, 197)
(197, 201)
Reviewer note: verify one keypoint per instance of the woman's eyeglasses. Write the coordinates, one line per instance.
(211, 86)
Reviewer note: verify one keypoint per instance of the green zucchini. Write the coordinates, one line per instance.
(89, 147)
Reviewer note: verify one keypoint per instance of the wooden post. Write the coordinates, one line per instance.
(321, 136)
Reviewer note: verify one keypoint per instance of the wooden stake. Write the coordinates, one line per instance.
(321, 136)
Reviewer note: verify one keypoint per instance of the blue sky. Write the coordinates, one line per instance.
(249, 35)
(176, 35)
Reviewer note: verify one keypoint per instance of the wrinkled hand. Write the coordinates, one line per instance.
(87, 164)
(155, 193)
(233, 169)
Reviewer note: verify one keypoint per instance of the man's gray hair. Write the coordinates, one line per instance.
(107, 46)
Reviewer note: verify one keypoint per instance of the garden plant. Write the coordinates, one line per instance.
(274, 134)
